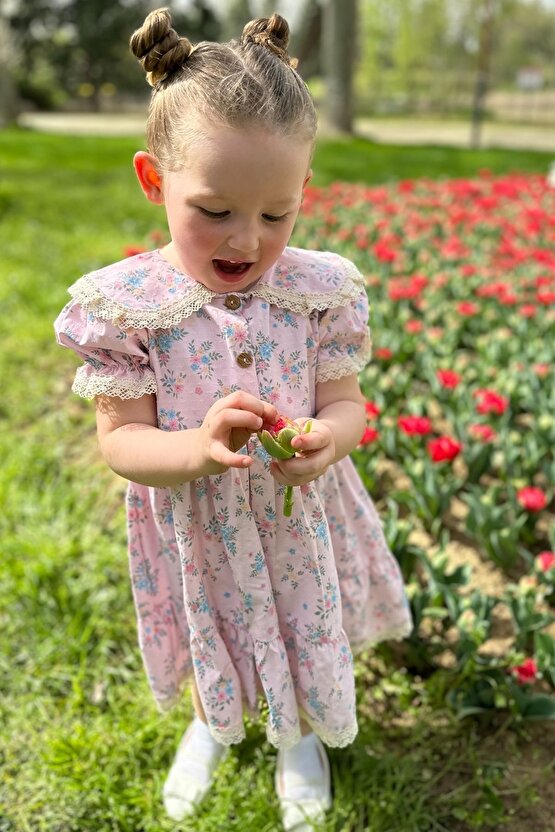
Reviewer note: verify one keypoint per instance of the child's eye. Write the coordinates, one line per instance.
(214, 215)
(270, 218)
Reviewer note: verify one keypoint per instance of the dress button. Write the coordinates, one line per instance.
(244, 359)
(232, 302)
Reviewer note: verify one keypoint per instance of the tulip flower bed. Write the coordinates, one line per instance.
(460, 443)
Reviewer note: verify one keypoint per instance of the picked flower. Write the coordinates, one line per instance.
(276, 440)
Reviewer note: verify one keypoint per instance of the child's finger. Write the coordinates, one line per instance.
(297, 470)
(221, 454)
(230, 418)
(270, 413)
(240, 400)
(312, 441)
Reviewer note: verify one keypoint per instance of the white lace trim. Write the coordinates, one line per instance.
(228, 736)
(304, 304)
(397, 633)
(284, 741)
(89, 386)
(337, 739)
(86, 292)
(333, 370)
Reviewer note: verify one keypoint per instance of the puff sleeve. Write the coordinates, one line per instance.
(344, 337)
(116, 360)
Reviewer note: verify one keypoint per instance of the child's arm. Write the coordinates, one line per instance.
(335, 432)
(135, 448)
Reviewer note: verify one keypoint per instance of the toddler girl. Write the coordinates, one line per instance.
(188, 351)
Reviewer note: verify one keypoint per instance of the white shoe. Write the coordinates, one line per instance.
(192, 771)
(303, 784)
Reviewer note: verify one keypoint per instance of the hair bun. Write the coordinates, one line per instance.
(158, 47)
(271, 32)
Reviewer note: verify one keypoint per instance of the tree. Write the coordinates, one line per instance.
(338, 55)
(80, 47)
(238, 13)
(306, 39)
(8, 97)
(485, 49)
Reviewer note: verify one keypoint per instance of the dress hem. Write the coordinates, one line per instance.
(358, 647)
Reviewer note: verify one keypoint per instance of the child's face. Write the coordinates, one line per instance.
(232, 209)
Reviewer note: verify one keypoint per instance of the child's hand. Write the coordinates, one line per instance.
(316, 451)
(227, 426)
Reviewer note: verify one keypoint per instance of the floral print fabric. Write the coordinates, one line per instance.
(224, 585)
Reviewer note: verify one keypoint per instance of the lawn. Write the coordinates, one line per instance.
(82, 745)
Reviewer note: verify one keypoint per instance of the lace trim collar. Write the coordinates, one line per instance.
(93, 293)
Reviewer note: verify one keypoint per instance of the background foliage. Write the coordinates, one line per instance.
(411, 55)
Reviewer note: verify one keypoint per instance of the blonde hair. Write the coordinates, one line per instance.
(247, 82)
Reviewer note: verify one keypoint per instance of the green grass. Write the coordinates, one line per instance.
(82, 746)
(359, 160)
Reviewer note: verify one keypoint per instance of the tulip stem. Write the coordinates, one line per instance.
(288, 501)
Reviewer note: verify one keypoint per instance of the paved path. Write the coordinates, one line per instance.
(388, 131)
(457, 134)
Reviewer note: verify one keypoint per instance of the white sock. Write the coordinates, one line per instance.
(304, 770)
(190, 776)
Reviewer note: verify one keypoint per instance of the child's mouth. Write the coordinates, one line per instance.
(231, 269)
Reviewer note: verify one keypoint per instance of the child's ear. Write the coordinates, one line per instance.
(148, 176)
(308, 178)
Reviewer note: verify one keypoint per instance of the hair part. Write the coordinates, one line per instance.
(248, 82)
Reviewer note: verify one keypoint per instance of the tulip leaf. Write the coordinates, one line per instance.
(541, 706)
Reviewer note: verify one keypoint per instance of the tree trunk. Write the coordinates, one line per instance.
(8, 96)
(338, 53)
(307, 40)
(483, 72)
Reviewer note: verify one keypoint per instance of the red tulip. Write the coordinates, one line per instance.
(414, 425)
(490, 402)
(384, 353)
(467, 308)
(413, 326)
(444, 449)
(131, 251)
(483, 432)
(541, 370)
(372, 410)
(369, 435)
(532, 499)
(526, 672)
(545, 561)
(448, 378)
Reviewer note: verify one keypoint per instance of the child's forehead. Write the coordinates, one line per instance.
(219, 143)
(244, 157)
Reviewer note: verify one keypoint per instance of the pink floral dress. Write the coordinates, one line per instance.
(225, 586)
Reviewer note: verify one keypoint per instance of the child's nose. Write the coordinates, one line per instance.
(244, 239)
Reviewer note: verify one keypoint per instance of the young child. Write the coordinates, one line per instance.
(188, 351)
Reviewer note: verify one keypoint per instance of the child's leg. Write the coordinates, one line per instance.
(192, 771)
(303, 782)
(197, 704)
